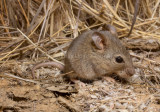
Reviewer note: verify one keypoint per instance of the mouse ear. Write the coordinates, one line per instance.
(98, 40)
(111, 29)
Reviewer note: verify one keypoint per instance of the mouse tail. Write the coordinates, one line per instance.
(46, 64)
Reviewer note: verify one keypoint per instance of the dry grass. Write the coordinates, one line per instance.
(32, 30)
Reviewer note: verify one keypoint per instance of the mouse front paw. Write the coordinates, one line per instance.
(109, 79)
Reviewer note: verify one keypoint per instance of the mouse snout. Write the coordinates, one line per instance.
(130, 71)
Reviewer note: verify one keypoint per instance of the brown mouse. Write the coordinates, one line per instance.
(95, 54)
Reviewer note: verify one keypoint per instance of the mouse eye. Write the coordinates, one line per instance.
(119, 59)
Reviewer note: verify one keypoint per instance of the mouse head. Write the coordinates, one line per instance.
(111, 53)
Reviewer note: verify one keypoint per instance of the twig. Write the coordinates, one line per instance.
(16, 77)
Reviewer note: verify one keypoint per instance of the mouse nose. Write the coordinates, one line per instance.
(130, 71)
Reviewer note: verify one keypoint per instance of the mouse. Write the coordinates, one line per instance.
(94, 54)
